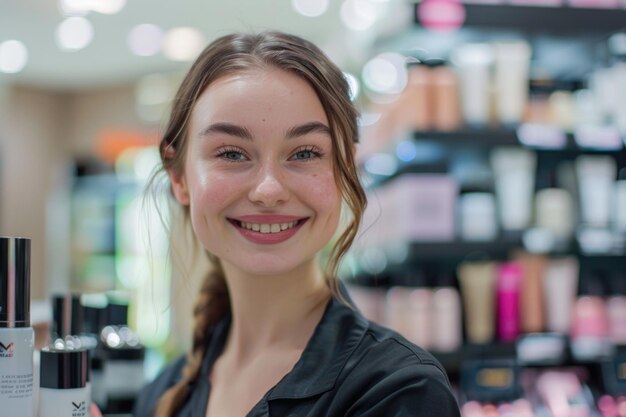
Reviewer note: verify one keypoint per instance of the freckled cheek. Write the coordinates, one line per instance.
(324, 195)
(211, 193)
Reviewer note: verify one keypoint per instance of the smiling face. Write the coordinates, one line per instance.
(258, 175)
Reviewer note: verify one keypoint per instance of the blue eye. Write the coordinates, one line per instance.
(234, 156)
(306, 154)
(231, 155)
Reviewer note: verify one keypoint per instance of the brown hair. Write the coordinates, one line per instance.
(244, 52)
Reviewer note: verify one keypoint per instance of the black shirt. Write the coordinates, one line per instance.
(350, 367)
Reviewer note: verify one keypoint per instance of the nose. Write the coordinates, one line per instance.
(269, 189)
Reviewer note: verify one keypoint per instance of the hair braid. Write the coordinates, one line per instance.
(213, 302)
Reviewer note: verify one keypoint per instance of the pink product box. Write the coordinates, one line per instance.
(483, 1)
(421, 207)
(596, 4)
(547, 3)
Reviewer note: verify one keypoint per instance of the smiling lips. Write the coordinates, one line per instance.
(268, 229)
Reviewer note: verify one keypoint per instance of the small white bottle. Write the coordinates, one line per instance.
(63, 391)
(16, 336)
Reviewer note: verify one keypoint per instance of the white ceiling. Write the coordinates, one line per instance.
(107, 60)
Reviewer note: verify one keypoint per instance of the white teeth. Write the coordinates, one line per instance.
(267, 228)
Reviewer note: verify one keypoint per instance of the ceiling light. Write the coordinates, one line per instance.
(108, 6)
(386, 73)
(74, 7)
(310, 8)
(353, 83)
(74, 33)
(145, 39)
(183, 44)
(358, 14)
(13, 56)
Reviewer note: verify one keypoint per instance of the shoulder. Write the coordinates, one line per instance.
(389, 376)
(150, 394)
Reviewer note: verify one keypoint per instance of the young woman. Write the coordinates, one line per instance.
(260, 152)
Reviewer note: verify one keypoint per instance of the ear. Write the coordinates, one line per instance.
(179, 188)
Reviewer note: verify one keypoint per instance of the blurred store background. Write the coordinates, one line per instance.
(493, 151)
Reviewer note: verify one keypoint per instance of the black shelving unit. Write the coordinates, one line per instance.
(488, 138)
(561, 20)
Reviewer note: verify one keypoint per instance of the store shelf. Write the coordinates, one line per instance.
(488, 138)
(452, 361)
(459, 250)
(546, 20)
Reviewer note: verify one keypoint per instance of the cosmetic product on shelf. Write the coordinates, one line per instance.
(408, 313)
(560, 285)
(561, 107)
(68, 325)
(94, 310)
(67, 316)
(477, 281)
(63, 390)
(563, 395)
(619, 207)
(514, 173)
(512, 66)
(602, 4)
(478, 219)
(586, 109)
(596, 176)
(416, 110)
(447, 108)
(532, 312)
(17, 338)
(555, 212)
(507, 301)
(421, 208)
(446, 322)
(473, 63)
(537, 111)
(124, 356)
(590, 322)
(616, 308)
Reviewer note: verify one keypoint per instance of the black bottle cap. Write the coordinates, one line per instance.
(64, 369)
(67, 315)
(94, 319)
(117, 314)
(14, 282)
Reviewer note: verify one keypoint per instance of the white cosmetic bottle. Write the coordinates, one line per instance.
(63, 391)
(16, 335)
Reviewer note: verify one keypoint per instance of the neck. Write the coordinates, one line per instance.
(274, 311)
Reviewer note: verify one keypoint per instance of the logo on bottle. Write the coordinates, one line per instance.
(6, 351)
(79, 409)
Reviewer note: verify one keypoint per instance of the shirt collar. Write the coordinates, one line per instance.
(336, 336)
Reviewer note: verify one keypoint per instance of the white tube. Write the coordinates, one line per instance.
(511, 80)
(64, 402)
(514, 173)
(473, 62)
(560, 286)
(16, 371)
(596, 176)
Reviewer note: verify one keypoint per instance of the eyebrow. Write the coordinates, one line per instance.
(305, 129)
(228, 129)
(243, 133)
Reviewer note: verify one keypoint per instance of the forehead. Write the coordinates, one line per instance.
(260, 98)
